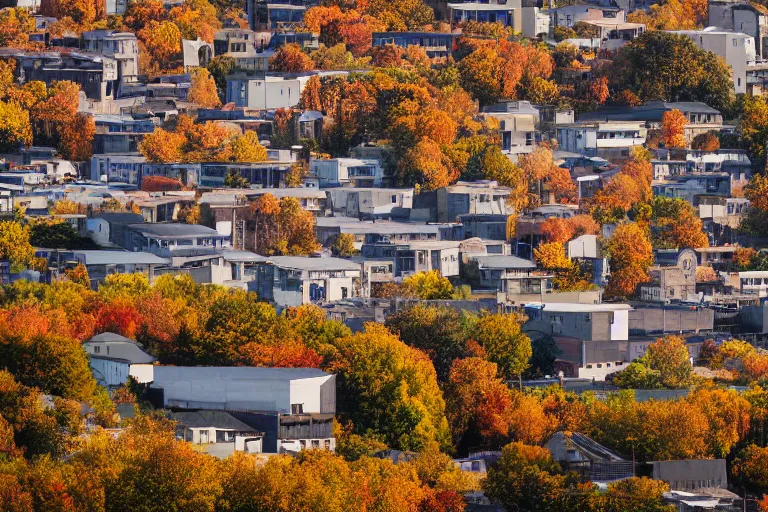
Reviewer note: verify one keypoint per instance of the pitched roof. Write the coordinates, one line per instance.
(207, 419)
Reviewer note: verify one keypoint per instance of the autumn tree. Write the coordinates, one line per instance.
(441, 332)
(478, 403)
(751, 469)
(203, 90)
(389, 388)
(676, 224)
(296, 174)
(162, 41)
(428, 285)
(162, 146)
(290, 58)
(283, 226)
(598, 90)
(631, 253)
(77, 138)
(246, 148)
(666, 365)
(662, 65)
(504, 343)
(82, 12)
(344, 245)
(15, 127)
(707, 142)
(754, 126)
(673, 128)
(526, 478)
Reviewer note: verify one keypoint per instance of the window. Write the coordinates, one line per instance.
(343, 292)
(394, 198)
(599, 365)
(96, 350)
(529, 139)
(297, 408)
(735, 43)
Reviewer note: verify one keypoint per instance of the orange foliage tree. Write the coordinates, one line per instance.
(203, 89)
(290, 58)
(673, 129)
(631, 253)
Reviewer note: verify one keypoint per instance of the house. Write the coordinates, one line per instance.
(569, 15)
(721, 217)
(370, 202)
(613, 35)
(447, 203)
(96, 74)
(266, 174)
(307, 40)
(327, 229)
(485, 226)
(743, 16)
(288, 281)
(673, 277)
(112, 357)
(700, 117)
(611, 140)
(418, 256)
(589, 249)
(247, 47)
(737, 48)
(270, 15)
(593, 461)
(119, 134)
(508, 13)
(535, 20)
(242, 388)
(339, 172)
(499, 271)
(192, 248)
(593, 338)
(101, 264)
(270, 91)
(436, 44)
(204, 427)
(106, 229)
(117, 168)
(517, 126)
(124, 48)
(293, 407)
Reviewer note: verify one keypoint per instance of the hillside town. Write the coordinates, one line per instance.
(326, 255)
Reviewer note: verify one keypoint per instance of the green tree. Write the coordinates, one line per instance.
(504, 343)
(666, 66)
(234, 179)
(440, 331)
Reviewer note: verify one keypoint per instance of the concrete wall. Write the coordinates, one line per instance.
(109, 373)
(242, 388)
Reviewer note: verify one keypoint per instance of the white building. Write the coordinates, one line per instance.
(282, 390)
(289, 281)
(112, 358)
(269, 92)
(594, 336)
(347, 172)
(609, 140)
(736, 48)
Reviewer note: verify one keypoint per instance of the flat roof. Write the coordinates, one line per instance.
(471, 6)
(173, 230)
(499, 261)
(97, 257)
(238, 372)
(242, 256)
(304, 263)
(578, 308)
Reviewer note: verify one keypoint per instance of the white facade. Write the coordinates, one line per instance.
(590, 138)
(343, 171)
(535, 22)
(265, 94)
(736, 48)
(256, 389)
